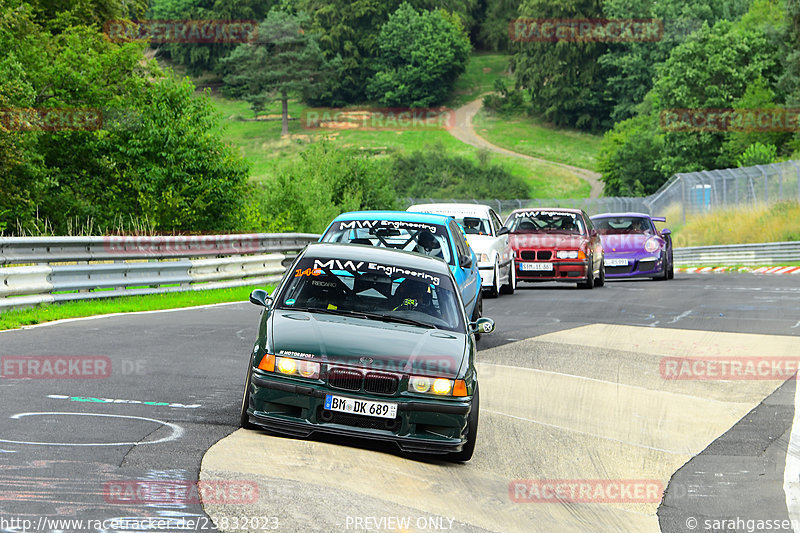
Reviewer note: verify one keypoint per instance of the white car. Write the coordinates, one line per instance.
(488, 238)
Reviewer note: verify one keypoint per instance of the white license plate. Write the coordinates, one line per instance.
(536, 266)
(615, 262)
(360, 407)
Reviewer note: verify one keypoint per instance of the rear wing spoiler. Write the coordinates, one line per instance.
(658, 219)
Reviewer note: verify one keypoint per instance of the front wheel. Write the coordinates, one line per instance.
(472, 432)
(588, 283)
(244, 418)
(671, 273)
(494, 290)
(512, 280)
(601, 278)
(477, 312)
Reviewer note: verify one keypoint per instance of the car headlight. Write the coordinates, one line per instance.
(567, 254)
(437, 386)
(483, 258)
(652, 244)
(290, 367)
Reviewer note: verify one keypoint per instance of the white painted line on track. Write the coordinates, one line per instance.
(98, 317)
(681, 316)
(177, 431)
(791, 474)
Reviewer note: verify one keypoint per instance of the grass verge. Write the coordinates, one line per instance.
(778, 222)
(15, 318)
(531, 137)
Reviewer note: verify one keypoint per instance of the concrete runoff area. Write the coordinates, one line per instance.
(590, 404)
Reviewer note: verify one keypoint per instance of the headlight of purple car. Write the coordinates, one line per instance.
(652, 244)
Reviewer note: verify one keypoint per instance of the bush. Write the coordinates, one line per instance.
(434, 174)
(505, 101)
(327, 181)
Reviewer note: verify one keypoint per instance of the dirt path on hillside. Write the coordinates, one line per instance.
(465, 132)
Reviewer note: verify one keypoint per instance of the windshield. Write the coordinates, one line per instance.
(617, 225)
(374, 291)
(428, 239)
(475, 225)
(545, 221)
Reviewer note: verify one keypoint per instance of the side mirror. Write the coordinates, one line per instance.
(466, 261)
(482, 325)
(260, 297)
(593, 233)
(666, 231)
(502, 231)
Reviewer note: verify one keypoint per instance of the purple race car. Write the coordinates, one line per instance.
(633, 246)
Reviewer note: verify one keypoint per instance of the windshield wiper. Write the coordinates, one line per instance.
(364, 314)
(399, 320)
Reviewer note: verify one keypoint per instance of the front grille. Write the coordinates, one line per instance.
(343, 378)
(618, 269)
(380, 383)
(528, 255)
(366, 422)
(544, 255)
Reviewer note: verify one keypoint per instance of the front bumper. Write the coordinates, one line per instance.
(637, 267)
(563, 270)
(487, 274)
(293, 408)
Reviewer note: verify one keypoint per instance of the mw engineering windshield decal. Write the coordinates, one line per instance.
(389, 270)
(393, 224)
(534, 214)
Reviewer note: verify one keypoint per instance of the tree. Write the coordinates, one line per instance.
(152, 150)
(283, 58)
(564, 78)
(421, 56)
(493, 30)
(200, 57)
(629, 156)
(630, 66)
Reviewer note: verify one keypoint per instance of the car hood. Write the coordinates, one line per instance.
(481, 243)
(381, 346)
(521, 241)
(625, 243)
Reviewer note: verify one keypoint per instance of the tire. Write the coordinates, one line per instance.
(494, 290)
(588, 283)
(601, 279)
(472, 432)
(671, 273)
(244, 418)
(512, 280)
(477, 312)
(665, 275)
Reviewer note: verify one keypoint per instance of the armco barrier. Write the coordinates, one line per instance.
(52, 269)
(773, 253)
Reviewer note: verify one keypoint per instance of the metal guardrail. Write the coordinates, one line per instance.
(774, 253)
(54, 269)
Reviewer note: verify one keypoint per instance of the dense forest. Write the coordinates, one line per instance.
(151, 148)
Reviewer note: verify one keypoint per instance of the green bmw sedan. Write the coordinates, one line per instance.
(366, 342)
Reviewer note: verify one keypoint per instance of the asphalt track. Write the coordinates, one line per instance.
(572, 389)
